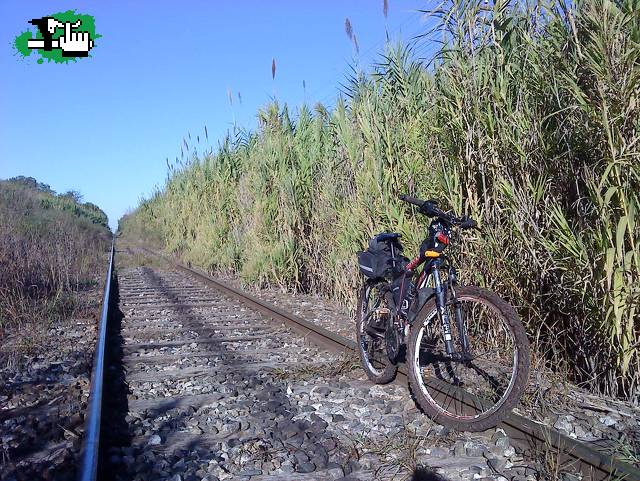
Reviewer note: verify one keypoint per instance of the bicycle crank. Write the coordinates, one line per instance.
(394, 342)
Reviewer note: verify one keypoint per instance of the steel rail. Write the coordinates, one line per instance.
(527, 434)
(91, 445)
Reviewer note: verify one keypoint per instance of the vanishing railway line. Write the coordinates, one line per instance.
(221, 385)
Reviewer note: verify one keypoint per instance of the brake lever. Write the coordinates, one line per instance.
(468, 223)
(430, 209)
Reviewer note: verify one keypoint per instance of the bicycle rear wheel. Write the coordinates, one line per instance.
(371, 321)
(474, 390)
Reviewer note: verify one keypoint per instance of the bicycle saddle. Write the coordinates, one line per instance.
(387, 236)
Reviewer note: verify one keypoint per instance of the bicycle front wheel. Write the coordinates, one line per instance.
(473, 389)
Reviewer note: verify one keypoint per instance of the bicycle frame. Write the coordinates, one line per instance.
(404, 305)
(443, 290)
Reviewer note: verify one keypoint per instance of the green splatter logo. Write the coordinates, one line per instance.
(59, 37)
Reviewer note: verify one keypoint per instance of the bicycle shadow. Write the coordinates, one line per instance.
(423, 473)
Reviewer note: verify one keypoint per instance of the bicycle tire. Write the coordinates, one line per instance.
(516, 386)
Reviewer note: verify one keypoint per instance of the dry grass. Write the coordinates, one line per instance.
(347, 363)
(130, 256)
(549, 464)
(53, 250)
(398, 453)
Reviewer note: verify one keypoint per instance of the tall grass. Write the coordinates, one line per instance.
(51, 246)
(526, 119)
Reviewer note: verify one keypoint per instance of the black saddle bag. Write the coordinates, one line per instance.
(378, 261)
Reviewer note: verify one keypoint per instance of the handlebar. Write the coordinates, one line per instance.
(427, 207)
(411, 200)
(430, 209)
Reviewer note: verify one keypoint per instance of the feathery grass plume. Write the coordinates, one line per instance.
(348, 28)
(385, 12)
(355, 43)
(273, 69)
(239, 98)
(230, 97)
(206, 133)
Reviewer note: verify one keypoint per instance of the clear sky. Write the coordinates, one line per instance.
(105, 125)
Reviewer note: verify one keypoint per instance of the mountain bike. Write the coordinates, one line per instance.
(465, 349)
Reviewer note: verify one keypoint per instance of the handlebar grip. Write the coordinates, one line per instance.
(411, 200)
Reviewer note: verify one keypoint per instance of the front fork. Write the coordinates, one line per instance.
(443, 314)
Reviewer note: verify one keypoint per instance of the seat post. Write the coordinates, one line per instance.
(393, 254)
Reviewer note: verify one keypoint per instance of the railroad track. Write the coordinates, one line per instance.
(222, 385)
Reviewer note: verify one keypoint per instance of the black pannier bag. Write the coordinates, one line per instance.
(377, 261)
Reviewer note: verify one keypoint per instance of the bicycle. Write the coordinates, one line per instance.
(465, 349)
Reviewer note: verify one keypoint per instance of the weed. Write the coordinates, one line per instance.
(51, 248)
(398, 453)
(346, 363)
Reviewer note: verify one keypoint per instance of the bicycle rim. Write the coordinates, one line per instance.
(474, 389)
(372, 347)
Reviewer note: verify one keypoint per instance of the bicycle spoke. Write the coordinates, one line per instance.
(477, 384)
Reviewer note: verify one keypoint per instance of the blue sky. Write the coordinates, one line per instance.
(105, 125)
